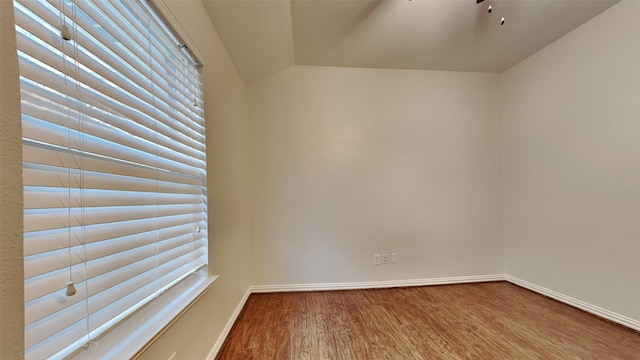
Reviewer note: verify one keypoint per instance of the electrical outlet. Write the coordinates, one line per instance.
(385, 258)
(376, 259)
(394, 258)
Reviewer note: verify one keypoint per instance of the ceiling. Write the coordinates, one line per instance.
(266, 36)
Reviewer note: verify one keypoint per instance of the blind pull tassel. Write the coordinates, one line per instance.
(71, 289)
(65, 32)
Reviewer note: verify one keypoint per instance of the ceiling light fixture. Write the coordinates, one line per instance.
(490, 10)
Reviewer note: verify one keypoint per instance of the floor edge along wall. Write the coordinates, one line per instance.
(604, 313)
(596, 310)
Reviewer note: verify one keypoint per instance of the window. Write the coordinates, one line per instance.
(114, 167)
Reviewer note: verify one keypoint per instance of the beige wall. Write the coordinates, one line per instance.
(351, 162)
(193, 336)
(572, 163)
(11, 275)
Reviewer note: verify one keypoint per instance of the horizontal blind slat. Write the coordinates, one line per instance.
(42, 241)
(97, 94)
(51, 261)
(94, 54)
(35, 96)
(129, 281)
(101, 124)
(52, 176)
(52, 283)
(60, 198)
(133, 33)
(49, 219)
(114, 166)
(43, 154)
(41, 131)
(102, 280)
(178, 78)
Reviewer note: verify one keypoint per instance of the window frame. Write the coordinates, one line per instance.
(131, 336)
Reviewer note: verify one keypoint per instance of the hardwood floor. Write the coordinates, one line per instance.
(494, 320)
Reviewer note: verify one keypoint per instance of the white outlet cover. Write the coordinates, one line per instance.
(394, 257)
(385, 258)
(376, 259)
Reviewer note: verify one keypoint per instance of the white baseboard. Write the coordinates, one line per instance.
(375, 284)
(227, 328)
(604, 313)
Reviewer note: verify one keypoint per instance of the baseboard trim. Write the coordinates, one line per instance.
(375, 284)
(227, 328)
(596, 310)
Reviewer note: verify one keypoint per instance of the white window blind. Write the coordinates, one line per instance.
(114, 166)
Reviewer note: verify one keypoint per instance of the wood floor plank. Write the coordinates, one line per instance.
(494, 320)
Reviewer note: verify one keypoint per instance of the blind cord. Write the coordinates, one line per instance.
(181, 49)
(81, 167)
(193, 78)
(65, 36)
(147, 12)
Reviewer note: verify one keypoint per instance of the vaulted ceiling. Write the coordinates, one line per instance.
(266, 36)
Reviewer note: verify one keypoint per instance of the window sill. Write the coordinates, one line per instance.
(131, 337)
